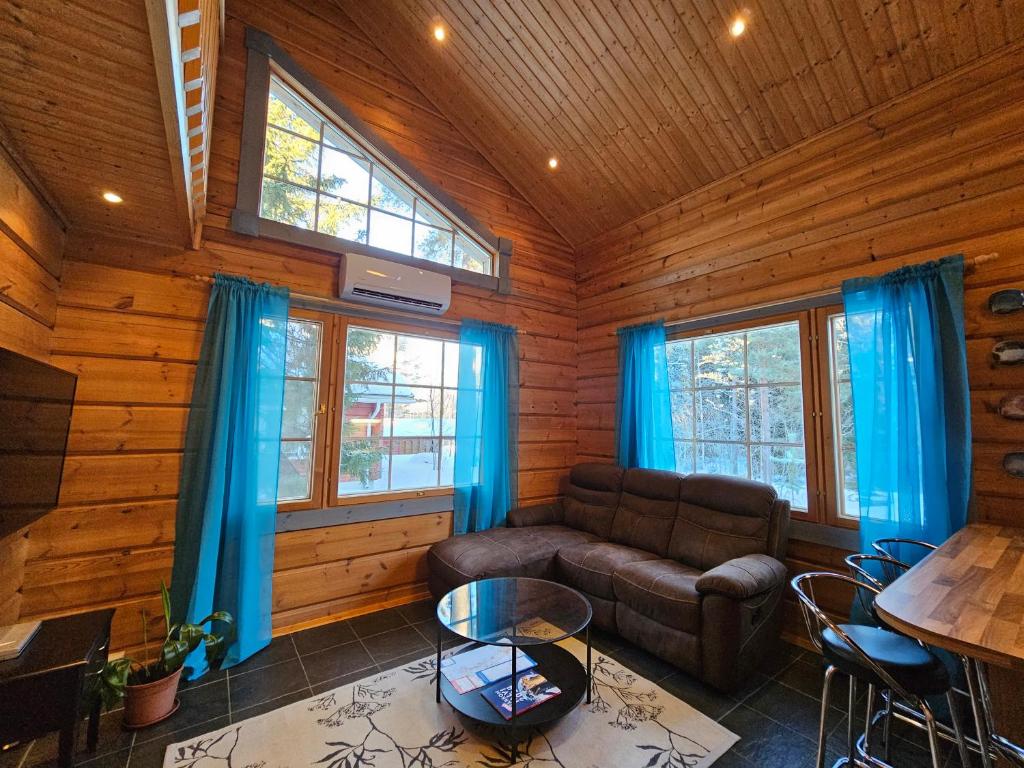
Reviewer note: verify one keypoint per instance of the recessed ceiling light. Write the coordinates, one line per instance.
(738, 26)
(552, 163)
(439, 33)
(113, 197)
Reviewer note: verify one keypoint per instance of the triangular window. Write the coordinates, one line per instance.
(321, 176)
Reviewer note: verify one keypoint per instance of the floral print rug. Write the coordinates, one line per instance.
(390, 720)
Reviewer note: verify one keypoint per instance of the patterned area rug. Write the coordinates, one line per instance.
(390, 720)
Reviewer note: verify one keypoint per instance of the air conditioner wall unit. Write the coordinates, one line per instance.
(382, 283)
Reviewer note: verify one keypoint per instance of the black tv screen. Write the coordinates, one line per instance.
(35, 416)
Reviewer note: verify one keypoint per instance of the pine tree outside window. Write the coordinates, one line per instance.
(318, 178)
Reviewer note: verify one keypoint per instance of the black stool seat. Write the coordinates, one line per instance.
(917, 669)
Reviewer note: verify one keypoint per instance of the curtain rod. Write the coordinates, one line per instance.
(338, 307)
(807, 301)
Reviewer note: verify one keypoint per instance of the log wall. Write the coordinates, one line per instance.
(31, 244)
(939, 171)
(130, 320)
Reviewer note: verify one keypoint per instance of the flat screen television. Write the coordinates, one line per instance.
(35, 417)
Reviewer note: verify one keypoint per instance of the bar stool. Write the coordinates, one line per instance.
(885, 573)
(896, 549)
(882, 659)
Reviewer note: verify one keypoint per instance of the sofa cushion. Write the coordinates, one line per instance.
(589, 567)
(647, 510)
(591, 498)
(662, 590)
(720, 518)
(683, 649)
(501, 552)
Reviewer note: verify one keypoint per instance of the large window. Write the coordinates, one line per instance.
(771, 400)
(318, 177)
(369, 413)
(398, 413)
(738, 406)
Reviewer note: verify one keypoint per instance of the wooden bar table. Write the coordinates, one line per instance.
(968, 598)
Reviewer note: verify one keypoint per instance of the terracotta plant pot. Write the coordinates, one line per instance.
(150, 703)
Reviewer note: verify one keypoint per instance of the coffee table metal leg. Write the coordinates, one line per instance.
(437, 666)
(515, 688)
(515, 691)
(589, 672)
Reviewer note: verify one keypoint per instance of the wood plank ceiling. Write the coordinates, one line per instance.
(643, 101)
(79, 96)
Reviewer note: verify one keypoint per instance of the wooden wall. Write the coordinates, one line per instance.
(129, 321)
(936, 172)
(31, 244)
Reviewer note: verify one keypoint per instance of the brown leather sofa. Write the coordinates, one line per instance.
(687, 567)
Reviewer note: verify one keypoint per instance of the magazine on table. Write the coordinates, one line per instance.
(532, 689)
(482, 666)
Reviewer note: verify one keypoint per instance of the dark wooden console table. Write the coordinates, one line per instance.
(43, 689)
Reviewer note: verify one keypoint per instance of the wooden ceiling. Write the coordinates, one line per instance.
(79, 97)
(643, 101)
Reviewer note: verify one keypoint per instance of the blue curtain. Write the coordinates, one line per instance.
(227, 503)
(644, 406)
(486, 426)
(911, 402)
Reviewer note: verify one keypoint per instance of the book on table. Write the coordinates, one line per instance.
(14, 639)
(482, 666)
(532, 690)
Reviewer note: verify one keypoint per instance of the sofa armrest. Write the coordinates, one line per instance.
(743, 577)
(540, 514)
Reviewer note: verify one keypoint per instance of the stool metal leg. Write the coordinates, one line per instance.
(851, 742)
(867, 718)
(933, 733)
(825, 697)
(981, 731)
(887, 726)
(1014, 753)
(958, 729)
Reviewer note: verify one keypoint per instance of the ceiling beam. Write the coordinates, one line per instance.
(186, 37)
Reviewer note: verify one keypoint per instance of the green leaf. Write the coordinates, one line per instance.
(165, 597)
(173, 655)
(222, 616)
(111, 681)
(191, 635)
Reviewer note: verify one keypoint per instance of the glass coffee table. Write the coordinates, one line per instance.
(524, 613)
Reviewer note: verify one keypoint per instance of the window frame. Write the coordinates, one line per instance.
(267, 59)
(830, 473)
(802, 317)
(322, 422)
(331, 393)
(337, 409)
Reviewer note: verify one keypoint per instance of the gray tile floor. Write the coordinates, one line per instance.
(776, 713)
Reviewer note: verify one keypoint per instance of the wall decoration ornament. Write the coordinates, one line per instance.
(1013, 463)
(1012, 407)
(1005, 302)
(1008, 352)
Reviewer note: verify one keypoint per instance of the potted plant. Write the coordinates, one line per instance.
(149, 688)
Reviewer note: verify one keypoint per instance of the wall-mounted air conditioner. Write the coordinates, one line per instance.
(398, 286)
